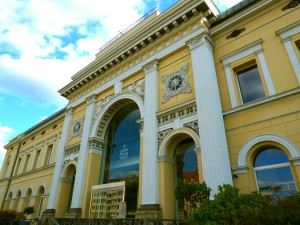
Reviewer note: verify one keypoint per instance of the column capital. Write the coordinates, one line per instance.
(150, 66)
(91, 99)
(197, 150)
(96, 145)
(201, 39)
(166, 159)
(69, 111)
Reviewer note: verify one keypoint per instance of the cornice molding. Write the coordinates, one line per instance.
(159, 27)
(250, 13)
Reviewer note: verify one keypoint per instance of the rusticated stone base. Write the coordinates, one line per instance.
(73, 213)
(149, 212)
(46, 216)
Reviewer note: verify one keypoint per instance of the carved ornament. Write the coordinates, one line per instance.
(292, 4)
(162, 134)
(192, 125)
(180, 113)
(77, 127)
(176, 83)
(137, 87)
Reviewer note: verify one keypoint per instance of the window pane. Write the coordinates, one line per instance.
(186, 159)
(279, 177)
(270, 156)
(123, 151)
(250, 84)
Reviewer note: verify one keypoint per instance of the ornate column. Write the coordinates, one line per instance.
(214, 151)
(59, 162)
(150, 206)
(83, 153)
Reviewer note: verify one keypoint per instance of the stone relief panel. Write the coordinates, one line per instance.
(176, 83)
(192, 125)
(100, 105)
(137, 87)
(162, 134)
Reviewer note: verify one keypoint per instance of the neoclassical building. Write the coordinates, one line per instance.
(189, 94)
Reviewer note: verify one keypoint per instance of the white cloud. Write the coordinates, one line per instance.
(5, 134)
(34, 33)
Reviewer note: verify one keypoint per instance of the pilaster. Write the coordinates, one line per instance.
(150, 148)
(59, 161)
(214, 152)
(82, 159)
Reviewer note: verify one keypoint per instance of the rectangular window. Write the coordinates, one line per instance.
(36, 159)
(17, 166)
(250, 84)
(25, 169)
(48, 155)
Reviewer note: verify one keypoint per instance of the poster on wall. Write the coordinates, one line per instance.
(122, 210)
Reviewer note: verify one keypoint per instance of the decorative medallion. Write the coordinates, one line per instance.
(236, 33)
(176, 83)
(292, 4)
(77, 127)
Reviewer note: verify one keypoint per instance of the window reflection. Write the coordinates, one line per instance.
(123, 151)
(273, 172)
(186, 170)
(250, 84)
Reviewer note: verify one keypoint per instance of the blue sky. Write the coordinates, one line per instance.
(43, 43)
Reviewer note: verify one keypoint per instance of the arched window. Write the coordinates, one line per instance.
(272, 171)
(27, 198)
(39, 202)
(122, 155)
(186, 169)
(123, 150)
(16, 203)
(7, 203)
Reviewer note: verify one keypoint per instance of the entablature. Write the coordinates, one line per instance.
(163, 26)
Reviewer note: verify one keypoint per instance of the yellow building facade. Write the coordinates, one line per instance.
(187, 94)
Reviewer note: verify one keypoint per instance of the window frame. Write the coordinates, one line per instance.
(240, 91)
(287, 35)
(253, 48)
(270, 167)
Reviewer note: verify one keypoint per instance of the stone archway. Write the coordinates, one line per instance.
(167, 158)
(104, 114)
(66, 189)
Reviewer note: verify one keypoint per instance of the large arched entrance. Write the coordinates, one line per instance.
(66, 190)
(121, 159)
(179, 160)
(185, 170)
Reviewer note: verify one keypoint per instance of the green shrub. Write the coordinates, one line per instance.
(230, 208)
(28, 210)
(11, 214)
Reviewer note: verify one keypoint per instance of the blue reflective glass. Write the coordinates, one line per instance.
(186, 159)
(278, 177)
(250, 83)
(270, 156)
(123, 150)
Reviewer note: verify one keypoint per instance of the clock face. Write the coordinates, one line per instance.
(77, 127)
(175, 83)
